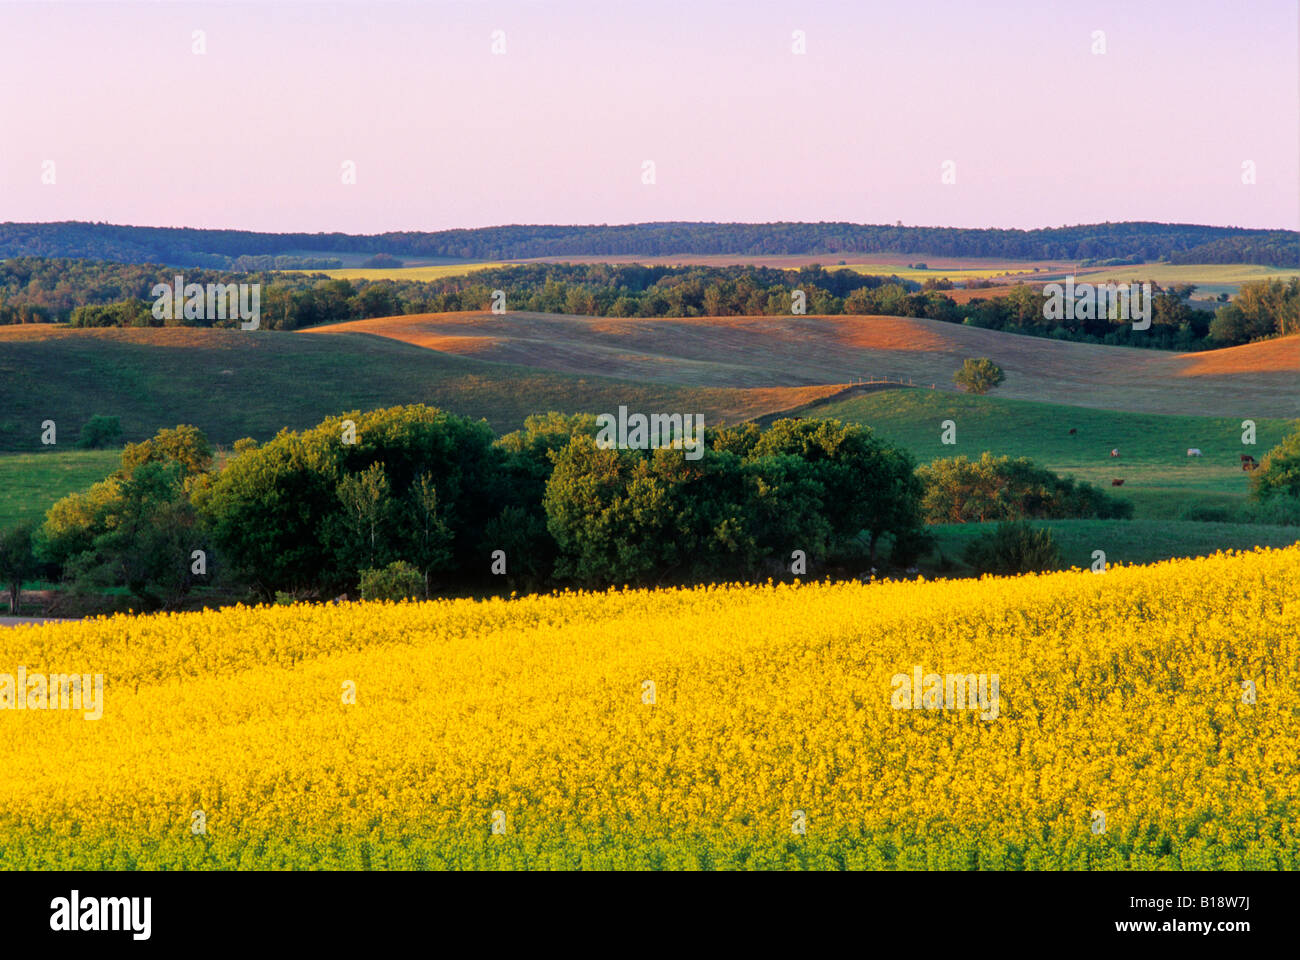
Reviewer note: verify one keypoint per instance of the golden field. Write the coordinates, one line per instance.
(1120, 692)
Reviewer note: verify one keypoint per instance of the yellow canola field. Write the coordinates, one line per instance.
(523, 733)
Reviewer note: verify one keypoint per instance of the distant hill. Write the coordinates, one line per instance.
(1256, 380)
(182, 246)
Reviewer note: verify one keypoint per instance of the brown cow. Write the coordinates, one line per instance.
(1117, 483)
(1073, 431)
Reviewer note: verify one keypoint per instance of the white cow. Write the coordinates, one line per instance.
(1193, 451)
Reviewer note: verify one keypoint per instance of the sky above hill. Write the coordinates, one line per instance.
(464, 114)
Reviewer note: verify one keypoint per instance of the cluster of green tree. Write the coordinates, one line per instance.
(29, 290)
(633, 290)
(961, 490)
(413, 501)
(309, 513)
(1277, 248)
(54, 289)
(1262, 308)
(40, 290)
(1145, 240)
(1175, 323)
(125, 313)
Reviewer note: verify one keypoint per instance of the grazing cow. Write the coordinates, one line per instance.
(1248, 463)
(1073, 431)
(1193, 451)
(1117, 483)
(1115, 452)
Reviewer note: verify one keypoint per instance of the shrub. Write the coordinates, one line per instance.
(397, 581)
(1014, 547)
(978, 376)
(1283, 511)
(1279, 471)
(127, 313)
(1203, 512)
(99, 431)
(961, 490)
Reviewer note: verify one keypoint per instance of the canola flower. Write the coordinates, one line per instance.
(522, 734)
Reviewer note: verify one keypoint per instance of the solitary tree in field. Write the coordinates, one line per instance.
(978, 376)
(99, 431)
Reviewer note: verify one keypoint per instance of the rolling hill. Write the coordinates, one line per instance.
(232, 384)
(1256, 380)
(1150, 404)
(1158, 476)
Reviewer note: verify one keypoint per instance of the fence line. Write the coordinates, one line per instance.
(868, 381)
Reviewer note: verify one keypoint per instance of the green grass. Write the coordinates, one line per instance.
(31, 482)
(1123, 541)
(1159, 478)
(233, 384)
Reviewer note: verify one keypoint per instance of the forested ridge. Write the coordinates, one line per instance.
(183, 246)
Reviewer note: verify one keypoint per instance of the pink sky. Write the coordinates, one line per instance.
(444, 133)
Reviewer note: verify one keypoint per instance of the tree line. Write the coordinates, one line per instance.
(318, 512)
(90, 294)
(1185, 243)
